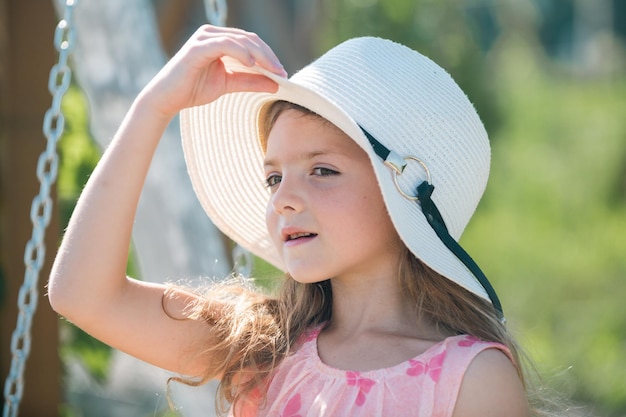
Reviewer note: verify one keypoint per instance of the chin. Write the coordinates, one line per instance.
(304, 278)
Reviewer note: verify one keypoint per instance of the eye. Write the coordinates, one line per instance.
(272, 180)
(324, 172)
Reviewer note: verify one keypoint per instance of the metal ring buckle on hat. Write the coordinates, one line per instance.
(397, 172)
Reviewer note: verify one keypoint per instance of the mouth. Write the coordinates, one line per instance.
(297, 236)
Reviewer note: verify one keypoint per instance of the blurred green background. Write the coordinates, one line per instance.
(549, 80)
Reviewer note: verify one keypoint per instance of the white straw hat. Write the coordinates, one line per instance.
(368, 87)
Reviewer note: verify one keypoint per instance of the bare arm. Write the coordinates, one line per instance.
(491, 388)
(88, 284)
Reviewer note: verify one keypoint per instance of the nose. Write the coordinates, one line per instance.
(288, 196)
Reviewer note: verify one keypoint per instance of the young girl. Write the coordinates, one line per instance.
(356, 177)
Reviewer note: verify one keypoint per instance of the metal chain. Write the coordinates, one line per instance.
(41, 209)
(216, 12)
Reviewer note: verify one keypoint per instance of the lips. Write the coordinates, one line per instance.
(299, 235)
(293, 234)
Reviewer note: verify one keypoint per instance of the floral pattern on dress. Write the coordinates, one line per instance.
(293, 407)
(432, 368)
(364, 385)
(469, 341)
(303, 385)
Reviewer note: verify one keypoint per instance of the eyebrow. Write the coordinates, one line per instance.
(308, 155)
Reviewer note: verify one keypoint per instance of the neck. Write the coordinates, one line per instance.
(375, 304)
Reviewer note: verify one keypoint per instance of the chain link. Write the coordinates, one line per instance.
(40, 213)
(216, 12)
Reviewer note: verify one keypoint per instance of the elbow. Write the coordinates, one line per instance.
(58, 288)
(57, 297)
(75, 295)
(64, 293)
(66, 302)
(67, 290)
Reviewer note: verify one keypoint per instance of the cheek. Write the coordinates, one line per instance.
(270, 221)
(377, 214)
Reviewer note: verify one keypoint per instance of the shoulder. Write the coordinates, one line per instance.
(491, 387)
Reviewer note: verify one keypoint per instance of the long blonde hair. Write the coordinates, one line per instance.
(255, 332)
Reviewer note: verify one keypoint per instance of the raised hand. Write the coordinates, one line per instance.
(196, 74)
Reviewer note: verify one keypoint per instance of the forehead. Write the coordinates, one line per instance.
(307, 132)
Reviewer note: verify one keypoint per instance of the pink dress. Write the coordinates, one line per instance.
(425, 386)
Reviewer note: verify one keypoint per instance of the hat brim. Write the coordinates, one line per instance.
(225, 163)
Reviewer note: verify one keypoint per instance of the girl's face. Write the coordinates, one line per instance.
(326, 215)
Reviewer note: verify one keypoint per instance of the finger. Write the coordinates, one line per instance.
(242, 50)
(239, 82)
(262, 53)
(246, 47)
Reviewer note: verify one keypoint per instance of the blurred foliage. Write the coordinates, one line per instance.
(550, 231)
(77, 152)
